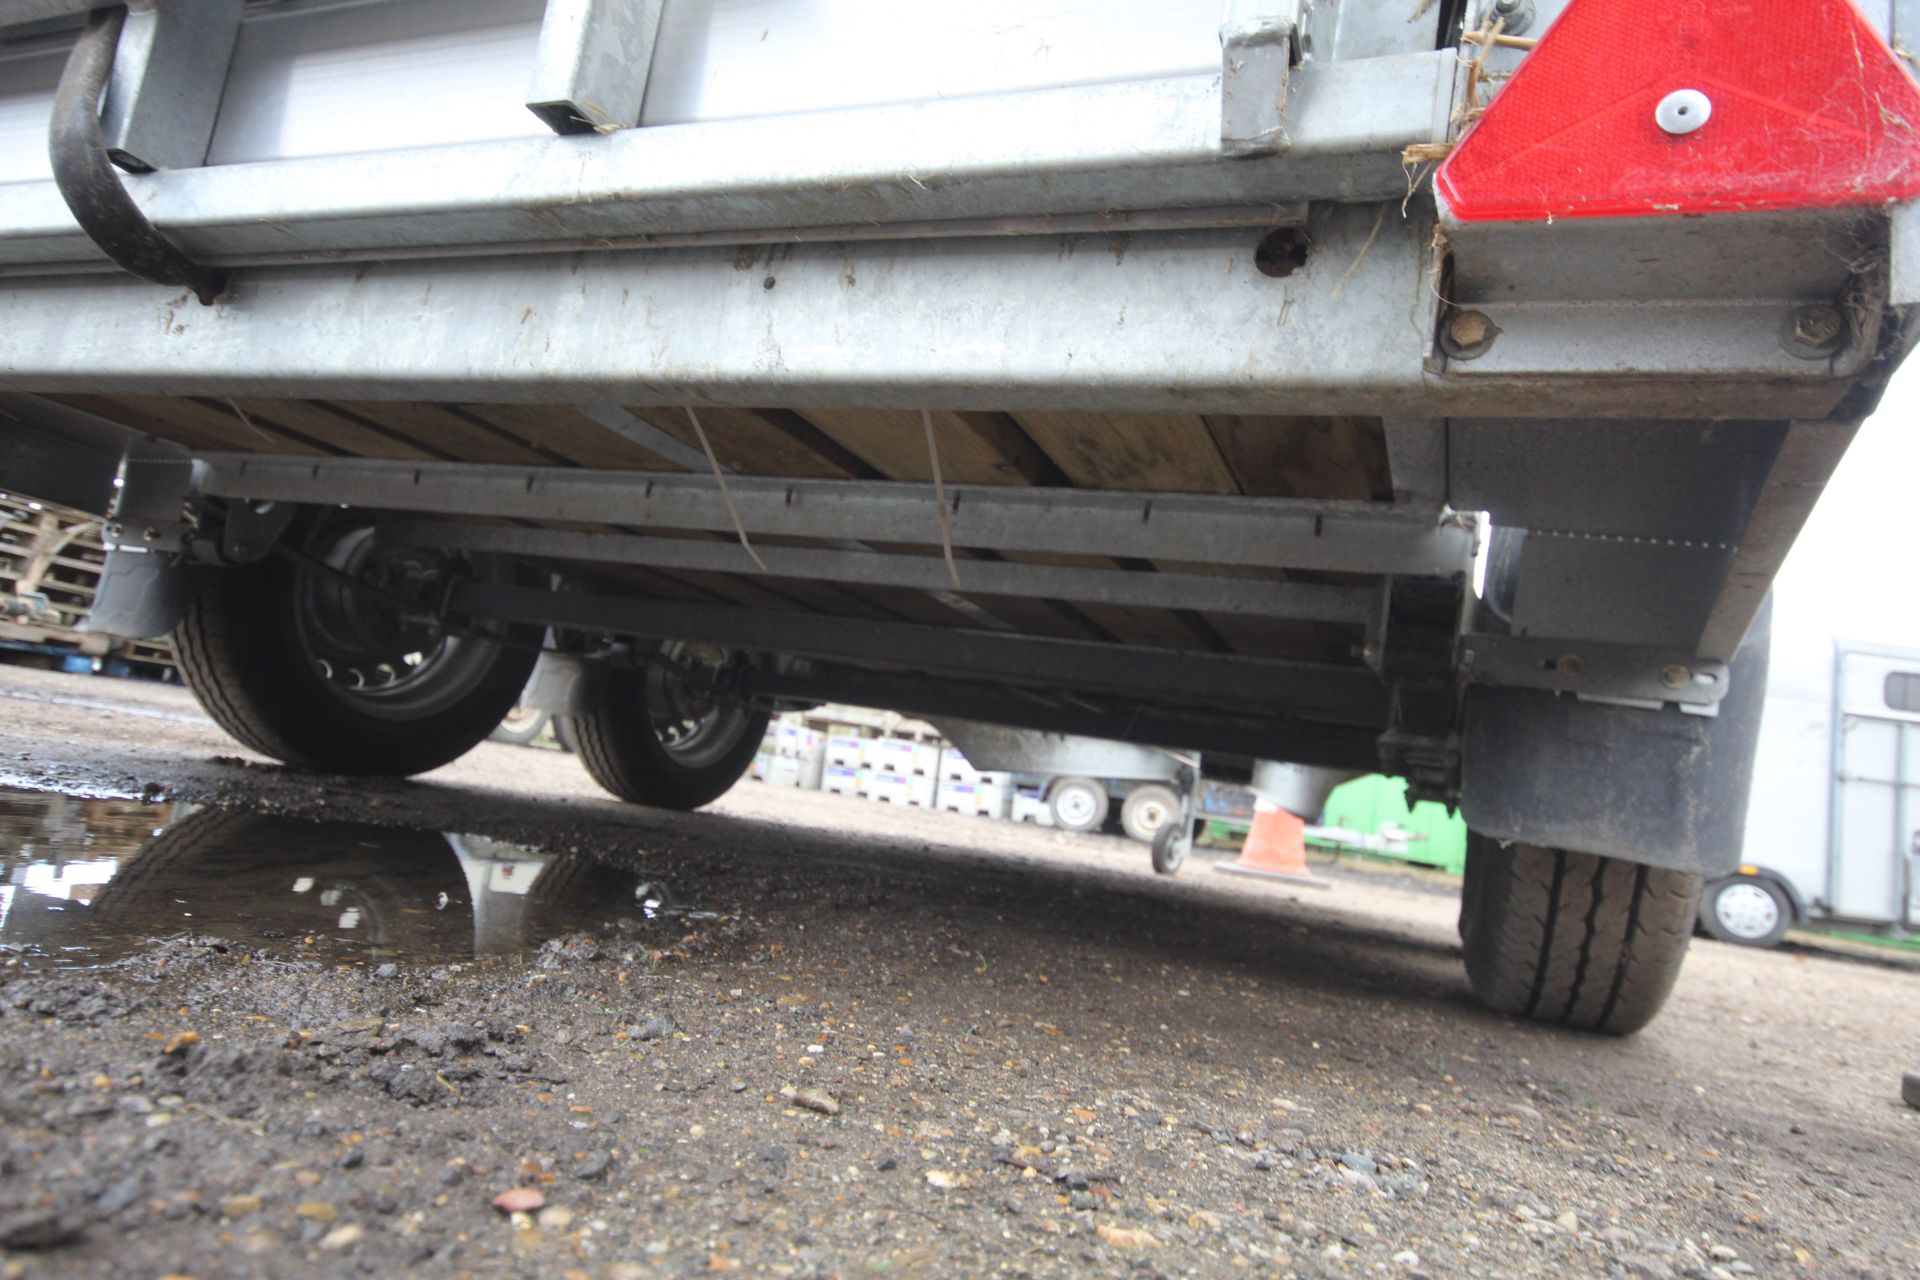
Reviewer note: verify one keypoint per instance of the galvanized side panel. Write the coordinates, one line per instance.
(1876, 787)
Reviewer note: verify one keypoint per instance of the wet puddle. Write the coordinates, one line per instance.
(84, 881)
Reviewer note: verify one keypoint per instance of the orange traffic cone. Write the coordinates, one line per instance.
(1275, 848)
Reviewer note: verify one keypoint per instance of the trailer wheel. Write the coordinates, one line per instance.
(1752, 911)
(1078, 804)
(299, 665)
(653, 737)
(520, 726)
(1586, 941)
(1146, 809)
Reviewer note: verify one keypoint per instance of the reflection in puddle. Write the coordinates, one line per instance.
(84, 881)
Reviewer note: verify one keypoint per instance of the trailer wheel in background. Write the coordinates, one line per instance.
(1148, 808)
(653, 738)
(1586, 941)
(1078, 804)
(1750, 910)
(301, 666)
(520, 726)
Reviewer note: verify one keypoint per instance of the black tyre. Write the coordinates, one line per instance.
(1078, 804)
(1573, 938)
(1146, 809)
(652, 738)
(302, 667)
(520, 726)
(1170, 848)
(1753, 911)
(563, 733)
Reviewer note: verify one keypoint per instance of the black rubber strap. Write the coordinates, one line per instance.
(90, 184)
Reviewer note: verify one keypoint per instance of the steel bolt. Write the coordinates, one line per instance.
(1819, 325)
(1570, 665)
(150, 533)
(1676, 676)
(1468, 334)
(1515, 15)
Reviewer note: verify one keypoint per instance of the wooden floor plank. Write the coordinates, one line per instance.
(1154, 452)
(192, 423)
(318, 421)
(569, 433)
(435, 427)
(975, 448)
(758, 443)
(1329, 458)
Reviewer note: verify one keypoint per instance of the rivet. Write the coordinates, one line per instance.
(1683, 111)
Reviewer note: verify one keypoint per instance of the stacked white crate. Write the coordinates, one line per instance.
(1032, 806)
(799, 757)
(965, 789)
(898, 771)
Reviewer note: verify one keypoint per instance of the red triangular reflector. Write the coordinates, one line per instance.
(1809, 109)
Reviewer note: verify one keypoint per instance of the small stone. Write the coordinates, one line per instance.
(1521, 1112)
(946, 1180)
(519, 1200)
(1127, 1237)
(736, 1086)
(593, 1166)
(452, 1176)
(38, 1229)
(1010, 1206)
(353, 1159)
(342, 1237)
(317, 1210)
(118, 1196)
(386, 971)
(1910, 1088)
(741, 1216)
(555, 1218)
(1406, 1258)
(1083, 1202)
(1360, 1163)
(1721, 1253)
(1568, 1222)
(886, 1164)
(628, 1271)
(658, 1027)
(240, 1206)
(1641, 1267)
(817, 1100)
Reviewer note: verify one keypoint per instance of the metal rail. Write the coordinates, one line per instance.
(1261, 533)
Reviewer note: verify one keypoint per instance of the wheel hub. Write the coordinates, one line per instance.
(1746, 910)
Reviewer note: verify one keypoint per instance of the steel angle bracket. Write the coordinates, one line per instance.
(1595, 672)
(1259, 43)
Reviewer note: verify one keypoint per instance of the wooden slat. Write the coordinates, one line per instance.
(1164, 452)
(571, 434)
(975, 448)
(761, 442)
(190, 423)
(318, 421)
(1328, 458)
(443, 431)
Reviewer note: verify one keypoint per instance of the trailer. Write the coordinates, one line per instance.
(1833, 828)
(1329, 387)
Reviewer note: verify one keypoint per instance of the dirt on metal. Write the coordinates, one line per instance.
(255, 1022)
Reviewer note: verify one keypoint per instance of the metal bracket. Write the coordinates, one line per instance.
(590, 72)
(168, 74)
(1596, 672)
(1258, 46)
(88, 182)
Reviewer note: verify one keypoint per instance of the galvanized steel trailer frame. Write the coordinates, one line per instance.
(1644, 409)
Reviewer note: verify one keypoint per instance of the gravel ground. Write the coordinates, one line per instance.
(850, 1041)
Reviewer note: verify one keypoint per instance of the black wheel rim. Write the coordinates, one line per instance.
(695, 726)
(380, 650)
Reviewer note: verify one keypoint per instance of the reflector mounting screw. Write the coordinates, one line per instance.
(1683, 111)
